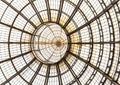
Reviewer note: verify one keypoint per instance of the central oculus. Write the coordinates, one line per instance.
(49, 43)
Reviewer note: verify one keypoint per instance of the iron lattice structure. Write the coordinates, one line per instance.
(59, 42)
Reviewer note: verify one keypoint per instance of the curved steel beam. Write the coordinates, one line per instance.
(13, 76)
(9, 4)
(72, 72)
(79, 43)
(59, 74)
(60, 10)
(36, 11)
(15, 57)
(96, 68)
(73, 13)
(36, 73)
(96, 17)
(15, 28)
(47, 75)
(48, 10)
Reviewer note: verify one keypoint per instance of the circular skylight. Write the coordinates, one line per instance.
(49, 43)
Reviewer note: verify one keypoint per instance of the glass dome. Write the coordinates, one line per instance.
(59, 42)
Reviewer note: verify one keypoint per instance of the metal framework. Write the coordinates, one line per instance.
(84, 35)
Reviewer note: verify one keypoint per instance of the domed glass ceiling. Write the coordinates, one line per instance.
(59, 42)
